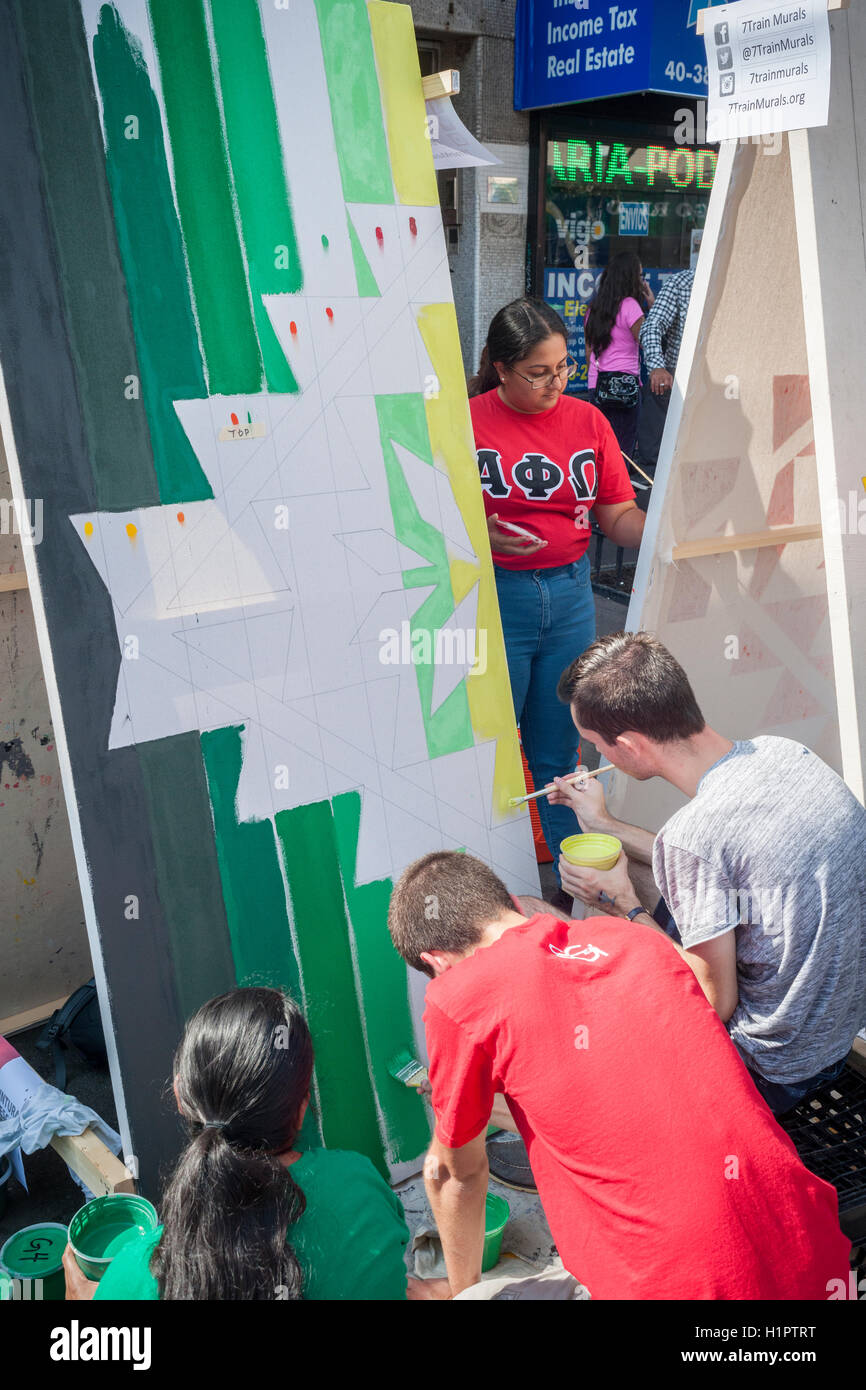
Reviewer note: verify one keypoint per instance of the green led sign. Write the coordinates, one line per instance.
(657, 167)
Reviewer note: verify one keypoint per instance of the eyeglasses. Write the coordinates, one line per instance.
(537, 382)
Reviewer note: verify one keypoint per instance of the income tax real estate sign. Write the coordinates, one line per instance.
(579, 50)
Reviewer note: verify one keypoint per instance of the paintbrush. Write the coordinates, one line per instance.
(572, 777)
(638, 469)
(407, 1069)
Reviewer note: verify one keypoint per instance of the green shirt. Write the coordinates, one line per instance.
(349, 1241)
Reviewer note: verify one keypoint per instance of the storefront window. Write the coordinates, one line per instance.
(610, 187)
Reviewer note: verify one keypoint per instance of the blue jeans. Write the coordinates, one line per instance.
(781, 1097)
(548, 618)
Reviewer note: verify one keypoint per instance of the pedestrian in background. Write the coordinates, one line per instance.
(660, 340)
(611, 331)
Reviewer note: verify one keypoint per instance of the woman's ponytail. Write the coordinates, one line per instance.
(242, 1073)
(485, 378)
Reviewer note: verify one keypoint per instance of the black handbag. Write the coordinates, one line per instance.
(618, 389)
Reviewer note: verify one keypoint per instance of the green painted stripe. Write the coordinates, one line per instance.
(402, 419)
(356, 108)
(384, 990)
(367, 286)
(273, 257)
(188, 873)
(203, 188)
(152, 254)
(253, 888)
(312, 867)
(66, 122)
(252, 884)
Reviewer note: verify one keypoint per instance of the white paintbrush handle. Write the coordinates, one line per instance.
(572, 777)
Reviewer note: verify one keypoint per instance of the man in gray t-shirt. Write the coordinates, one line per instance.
(764, 869)
(773, 847)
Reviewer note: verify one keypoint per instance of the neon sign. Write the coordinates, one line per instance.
(660, 167)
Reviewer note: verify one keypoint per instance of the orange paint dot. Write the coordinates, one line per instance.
(293, 328)
(181, 518)
(131, 530)
(234, 419)
(88, 528)
(330, 314)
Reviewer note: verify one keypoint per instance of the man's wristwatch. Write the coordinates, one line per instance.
(635, 912)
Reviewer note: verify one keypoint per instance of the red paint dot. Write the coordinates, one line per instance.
(380, 235)
(50, 747)
(330, 314)
(293, 328)
(413, 226)
(181, 518)
(234, 419)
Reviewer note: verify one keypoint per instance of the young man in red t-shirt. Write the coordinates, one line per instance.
(662, 1172)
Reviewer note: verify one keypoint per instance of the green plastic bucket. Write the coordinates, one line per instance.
(496, 1214)
(34, 1257)
(5, 1175)
(104, 1226)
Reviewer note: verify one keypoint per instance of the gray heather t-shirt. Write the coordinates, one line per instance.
(773, 844)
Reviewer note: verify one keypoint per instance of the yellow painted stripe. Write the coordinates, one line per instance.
(450, 428)
(403, 101)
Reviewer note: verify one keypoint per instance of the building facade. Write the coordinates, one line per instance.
(607, 153)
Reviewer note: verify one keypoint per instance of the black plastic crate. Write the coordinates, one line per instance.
(829, 1133)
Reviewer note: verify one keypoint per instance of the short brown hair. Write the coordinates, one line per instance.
(443, 902)
(628, 680)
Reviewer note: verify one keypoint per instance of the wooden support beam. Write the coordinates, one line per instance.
(94, 1163)
(441, 84)
(13, 581)
(831, 5)
(754, 540)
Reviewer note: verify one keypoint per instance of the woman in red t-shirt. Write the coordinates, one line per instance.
(545, 460)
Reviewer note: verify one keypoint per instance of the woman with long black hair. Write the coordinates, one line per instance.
(245, 1215)
(545, 460)
(611, 331)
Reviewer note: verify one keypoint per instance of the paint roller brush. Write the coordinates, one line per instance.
(572, 777)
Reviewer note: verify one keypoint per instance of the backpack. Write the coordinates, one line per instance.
(78, 1022)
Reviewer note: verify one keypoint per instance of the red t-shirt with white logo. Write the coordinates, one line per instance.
(544, 472)
(662, 1172)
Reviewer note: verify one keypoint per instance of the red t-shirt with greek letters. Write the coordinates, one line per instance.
(544, 472)
(662, 1172)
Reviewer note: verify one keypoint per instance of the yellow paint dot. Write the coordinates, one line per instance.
(131, 530)
(88, 528)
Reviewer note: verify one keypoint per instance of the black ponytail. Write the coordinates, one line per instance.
(514, 331)
(242, 1072)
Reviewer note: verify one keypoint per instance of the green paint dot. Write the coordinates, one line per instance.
(325, 241)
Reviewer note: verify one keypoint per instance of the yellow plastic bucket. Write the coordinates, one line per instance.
(591, 851)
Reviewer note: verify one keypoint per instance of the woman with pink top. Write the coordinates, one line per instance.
(611, 330)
